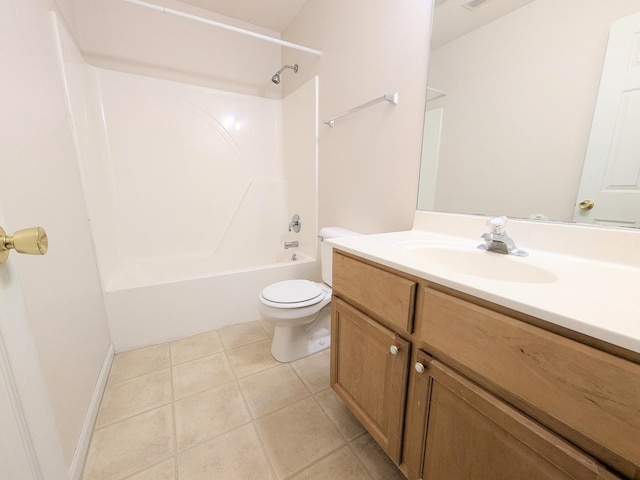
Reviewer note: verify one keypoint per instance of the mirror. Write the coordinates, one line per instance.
(511, 96)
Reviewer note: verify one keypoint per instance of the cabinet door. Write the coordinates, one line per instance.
(369, 371)
(587, 396)
(472, 435)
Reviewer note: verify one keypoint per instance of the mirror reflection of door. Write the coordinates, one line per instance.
(609, 192)
(430, 158)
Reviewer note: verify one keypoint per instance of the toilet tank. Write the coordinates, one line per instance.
(326, 251)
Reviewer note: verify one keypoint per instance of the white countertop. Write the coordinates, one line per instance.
(591, 296)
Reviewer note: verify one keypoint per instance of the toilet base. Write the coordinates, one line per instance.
(293, 343)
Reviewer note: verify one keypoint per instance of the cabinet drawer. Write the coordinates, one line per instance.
(381, 294)
(589, 396)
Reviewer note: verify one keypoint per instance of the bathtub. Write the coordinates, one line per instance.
(154, 302)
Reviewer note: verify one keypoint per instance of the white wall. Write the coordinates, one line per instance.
(517, 117)
(369, 162)
(40, 185)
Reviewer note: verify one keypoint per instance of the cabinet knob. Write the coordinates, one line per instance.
(393, 350)
(419, 367)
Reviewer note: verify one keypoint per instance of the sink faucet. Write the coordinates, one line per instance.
(497, 239)
(293, 244)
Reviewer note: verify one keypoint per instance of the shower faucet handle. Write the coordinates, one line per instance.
(295, 225)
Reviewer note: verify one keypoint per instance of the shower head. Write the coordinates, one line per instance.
(276, 78)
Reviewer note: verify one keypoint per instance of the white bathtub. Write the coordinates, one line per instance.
(156, 302)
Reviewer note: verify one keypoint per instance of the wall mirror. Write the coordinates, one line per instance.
(513, 87)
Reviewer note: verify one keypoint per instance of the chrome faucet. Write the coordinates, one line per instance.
(293, 244)
(497, 239)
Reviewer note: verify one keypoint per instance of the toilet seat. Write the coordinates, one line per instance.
(292, 294)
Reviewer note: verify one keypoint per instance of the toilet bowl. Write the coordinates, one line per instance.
(300, 309)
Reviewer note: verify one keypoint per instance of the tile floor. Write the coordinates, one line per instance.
(218, 406)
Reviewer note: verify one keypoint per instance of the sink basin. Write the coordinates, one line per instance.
(479, 263)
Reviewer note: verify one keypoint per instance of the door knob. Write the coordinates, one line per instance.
(32, 241)
(393, 350)
(586, 205)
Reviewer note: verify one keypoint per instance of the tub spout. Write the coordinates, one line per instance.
(293, 244)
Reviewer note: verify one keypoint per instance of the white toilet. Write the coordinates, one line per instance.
(300, 309)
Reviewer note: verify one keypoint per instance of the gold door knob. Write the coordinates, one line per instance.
(32, 241)
(586, 205)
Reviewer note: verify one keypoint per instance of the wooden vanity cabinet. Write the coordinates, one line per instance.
(455, 388)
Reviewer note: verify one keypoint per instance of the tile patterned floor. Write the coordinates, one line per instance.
(218, 406)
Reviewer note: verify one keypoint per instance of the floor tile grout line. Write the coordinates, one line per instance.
(255, 428)
(295, 372)
(154, 369)
(265, 452)
(128, 379)
(250, 374)
(129, 417)
(176, 473)
(228, 364)
(300, 376)
(253, 417)
(257, 432)
(206, 440)
(269, 333)
(144, 469)
(328, 417)
(355, 454)
(147, 467)
(307, 467)
(227, 348)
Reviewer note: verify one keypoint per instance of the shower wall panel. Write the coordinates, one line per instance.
(194, 171)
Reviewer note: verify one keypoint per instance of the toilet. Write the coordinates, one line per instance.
(300, 309)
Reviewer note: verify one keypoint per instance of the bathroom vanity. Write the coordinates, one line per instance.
(455, 382)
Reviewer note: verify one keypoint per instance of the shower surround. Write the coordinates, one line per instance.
(190, 191)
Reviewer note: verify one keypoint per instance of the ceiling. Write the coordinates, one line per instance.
(272, 14)
(452, 19)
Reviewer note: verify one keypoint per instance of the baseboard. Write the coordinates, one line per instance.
(80, 454)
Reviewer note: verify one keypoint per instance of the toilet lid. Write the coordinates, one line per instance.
(292, 294)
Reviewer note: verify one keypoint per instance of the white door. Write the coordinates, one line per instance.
(611, 173)
(29, 443)
(14, 458)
